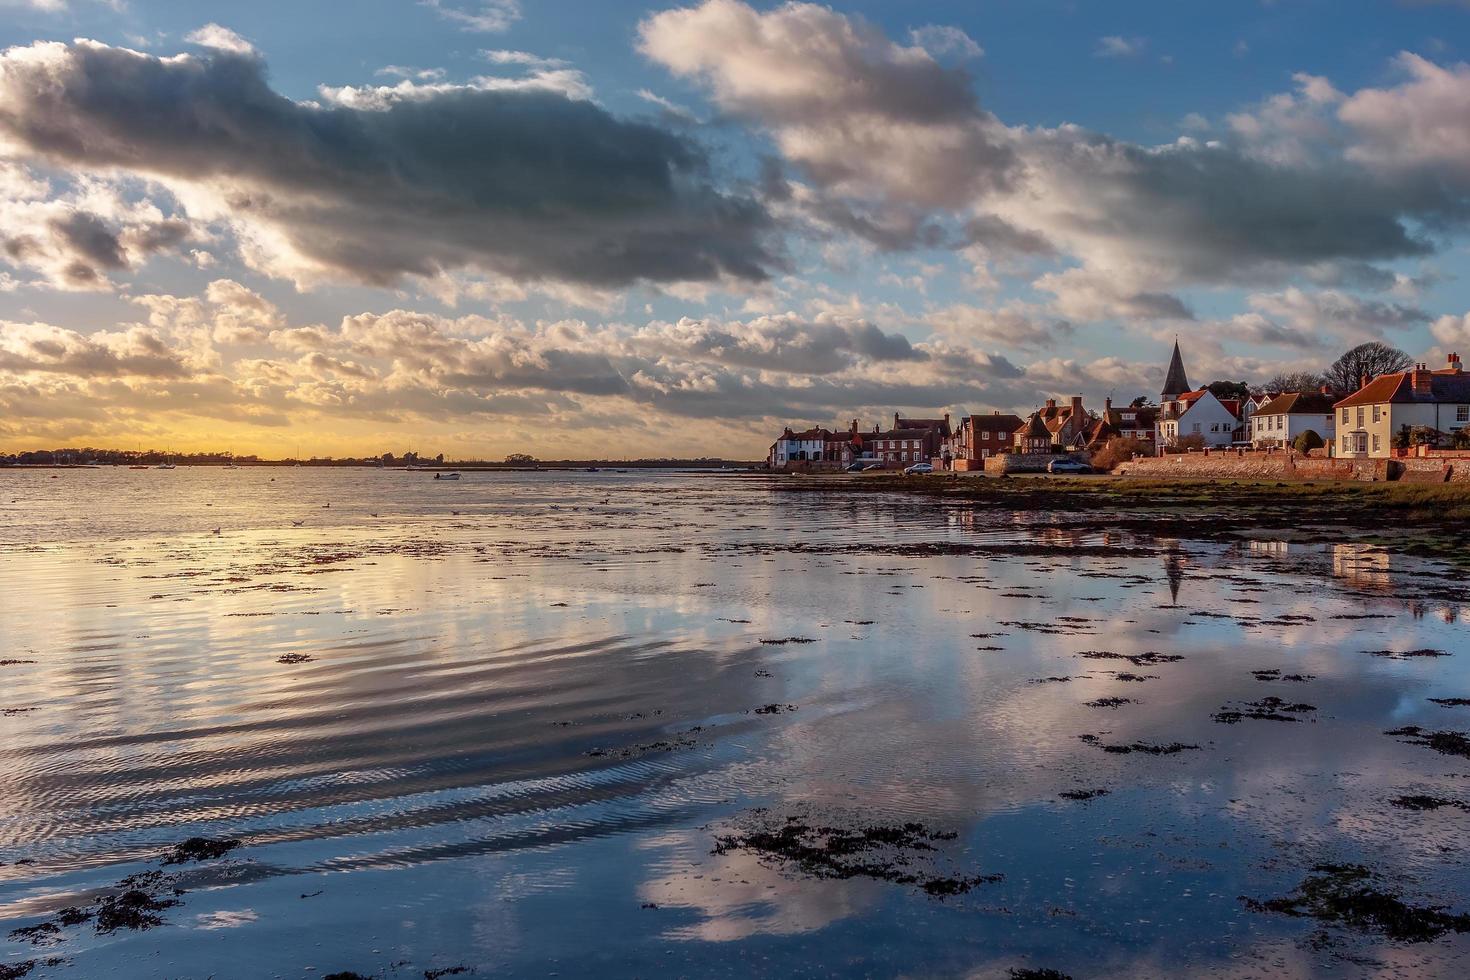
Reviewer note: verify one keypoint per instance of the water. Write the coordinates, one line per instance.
(523, 728)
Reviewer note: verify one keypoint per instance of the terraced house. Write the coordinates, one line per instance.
(1369, 420)
(1279, 421)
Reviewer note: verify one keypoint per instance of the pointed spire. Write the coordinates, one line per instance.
(1175, 382)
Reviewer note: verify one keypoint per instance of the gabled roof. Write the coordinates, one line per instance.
(1143, 417)
(1299, 403)
(1175, 381)
(992, 423)
(1035, 428)
(809, 435)
(1446, 386)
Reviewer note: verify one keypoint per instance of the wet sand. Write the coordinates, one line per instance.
(633, 724)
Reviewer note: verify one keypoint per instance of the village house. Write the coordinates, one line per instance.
(1033, 437)
(1369, 419)
(909, 441)
(1278, 421)
(1132, 422)
(1184, 413)
(978, 437)
(816, 448)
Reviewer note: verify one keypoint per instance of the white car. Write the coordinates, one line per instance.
(918, 469)
(1067, 466)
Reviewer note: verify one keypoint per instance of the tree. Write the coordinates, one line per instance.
(1372, 359)
(1194, 442)
(1229, 389)
(1307, 441)
(1138, 402)
(1292, 381)
(520, 459)
(1119, 449)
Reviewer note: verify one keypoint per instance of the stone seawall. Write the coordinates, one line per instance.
(1261, 466)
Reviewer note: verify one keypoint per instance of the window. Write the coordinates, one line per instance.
(1344, 421)
(1360, 416)
(1462, 413)
(1196, 426)
(1375, 413)
(1375, 442)
(1344, 438)
(1280, 420)
(985, 436)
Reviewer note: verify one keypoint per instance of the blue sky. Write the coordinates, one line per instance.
(558, 226)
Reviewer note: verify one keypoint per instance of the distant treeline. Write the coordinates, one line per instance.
(88, 456)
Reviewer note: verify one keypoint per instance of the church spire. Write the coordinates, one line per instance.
(1175, 382)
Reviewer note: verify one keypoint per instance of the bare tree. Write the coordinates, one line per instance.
(1291, 381)
(1372, 359)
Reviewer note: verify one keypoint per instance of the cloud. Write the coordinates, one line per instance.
(1016, 325)
(1421, 124)
(1114, 46)
(488, 16)
(858, 114)
(74, 234)
(1333, 313)
(220, 38)
(941, 40)
(415, 180)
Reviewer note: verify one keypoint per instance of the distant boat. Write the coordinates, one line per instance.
(446, 476)
(140, 466)
(231, 466)
(166, 466)
(593, 469)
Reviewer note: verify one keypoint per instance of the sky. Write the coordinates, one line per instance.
(616, 229)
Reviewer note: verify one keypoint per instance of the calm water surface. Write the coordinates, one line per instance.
(529, 713)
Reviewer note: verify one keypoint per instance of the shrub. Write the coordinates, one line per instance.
(1119, 449)
(1306, 442)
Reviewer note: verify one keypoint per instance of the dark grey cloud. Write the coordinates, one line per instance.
(521, 181)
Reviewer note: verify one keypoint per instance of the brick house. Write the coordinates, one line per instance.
(1369, 419)
(978, 437)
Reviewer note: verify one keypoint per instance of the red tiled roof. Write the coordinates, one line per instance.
(993, 423)
(1445, 386)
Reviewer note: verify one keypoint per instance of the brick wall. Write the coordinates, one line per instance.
(1259, 466)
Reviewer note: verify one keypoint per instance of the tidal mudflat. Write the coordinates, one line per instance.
(653, 724)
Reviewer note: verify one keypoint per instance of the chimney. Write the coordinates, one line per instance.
(853, 429)
(1363, 380)
(1326, 389)
(1076, 406)
(1455, 363)
(946, 420)
(1051, 403)
(1107, 404)
(1422, 380)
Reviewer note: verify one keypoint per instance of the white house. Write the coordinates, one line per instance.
(1199, 413)
(1279, 421)
(799, 447)
(1369, 419)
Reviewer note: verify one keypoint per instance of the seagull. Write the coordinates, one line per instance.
(297, 523)
(326, 505)
(216, 530)
(372, 515)
(454, 512)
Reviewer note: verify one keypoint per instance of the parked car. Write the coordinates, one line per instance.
(918, 469)
(1067, 466)
(872, 466)
(855, 467)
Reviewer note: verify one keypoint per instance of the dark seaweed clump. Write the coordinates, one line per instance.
(1408, 654)
(1149, 748)
(1276, 675)
(1136, 659)
(774, 709)
(200, 849)
(1266, 709)
(1452, 702)
(1421, 801)
(294, 658)
(1083, 794)
(1046, 973)
(1348, 895)
(902, 854)
(1109, 702)
(788, 639)
(14, 971)
(1445, 743)
(134, 909)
